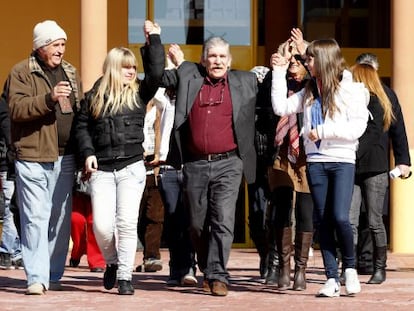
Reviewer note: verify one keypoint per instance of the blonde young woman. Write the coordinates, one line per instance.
(334, 117)
(109, 131)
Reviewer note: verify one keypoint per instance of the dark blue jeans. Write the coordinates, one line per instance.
(176, 223)
(331, 185)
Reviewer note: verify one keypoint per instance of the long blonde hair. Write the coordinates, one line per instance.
(112, 95)
(329, 65)
(368, 75)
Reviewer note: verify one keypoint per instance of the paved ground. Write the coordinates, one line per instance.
(83, 290)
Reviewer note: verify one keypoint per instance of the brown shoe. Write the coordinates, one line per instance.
(206, 286)
(219, 288)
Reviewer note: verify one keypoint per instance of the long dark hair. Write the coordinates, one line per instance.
(329, 65)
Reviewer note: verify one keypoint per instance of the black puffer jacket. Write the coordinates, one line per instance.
(114, 140)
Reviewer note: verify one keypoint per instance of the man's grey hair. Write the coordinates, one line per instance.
(214, 41)
(368, 59)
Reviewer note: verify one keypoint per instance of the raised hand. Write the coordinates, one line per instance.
(278, 61)
(296, 36)
(175, 54)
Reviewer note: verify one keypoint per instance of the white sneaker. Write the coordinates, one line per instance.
(331, 288)
(35, 289)
(352, 285)
(188, 280)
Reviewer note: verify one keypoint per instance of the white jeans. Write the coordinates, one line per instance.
(116, 198)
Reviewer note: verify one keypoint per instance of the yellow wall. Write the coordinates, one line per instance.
(17, 28)
(17, 22)
(16, 43)
(384, 58)
(117, 23)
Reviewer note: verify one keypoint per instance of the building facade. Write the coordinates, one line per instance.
(254, 29)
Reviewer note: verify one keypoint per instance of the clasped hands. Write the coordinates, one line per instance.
(175, 54)
(151, 28)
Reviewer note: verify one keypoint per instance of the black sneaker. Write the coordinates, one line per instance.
(109, 278)
(74, 262)
(18, 264)
(5, 261)
(174, 278)
(125, 287)
(172, 282)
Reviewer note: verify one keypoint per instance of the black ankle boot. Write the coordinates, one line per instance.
(380, 259)
(263, 267)
(378, 277)
(125, 287)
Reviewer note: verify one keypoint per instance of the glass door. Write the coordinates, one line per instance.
(193, 21)
(190, 22)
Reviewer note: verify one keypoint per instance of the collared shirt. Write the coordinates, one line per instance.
(211, 119)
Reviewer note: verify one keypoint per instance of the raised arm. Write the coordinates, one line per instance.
(153, 60)
(281, 104)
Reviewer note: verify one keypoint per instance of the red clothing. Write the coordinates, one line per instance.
(82, 235)
(211, 119)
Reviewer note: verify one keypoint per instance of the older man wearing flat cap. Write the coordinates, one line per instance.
(44, 92)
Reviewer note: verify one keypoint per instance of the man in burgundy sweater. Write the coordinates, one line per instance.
(214, 140)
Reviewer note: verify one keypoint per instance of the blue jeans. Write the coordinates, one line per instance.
(371, 190)
(116, 198)
(10, 240)
(331, 185)
(176, 224)
(44, 194)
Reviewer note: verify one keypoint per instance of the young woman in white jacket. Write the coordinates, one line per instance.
(334, 117)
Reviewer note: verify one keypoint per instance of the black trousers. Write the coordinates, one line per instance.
(212, 188)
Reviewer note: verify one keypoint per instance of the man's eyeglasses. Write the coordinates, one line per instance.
(211, 101)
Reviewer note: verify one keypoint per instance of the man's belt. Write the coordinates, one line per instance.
(214, 156)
